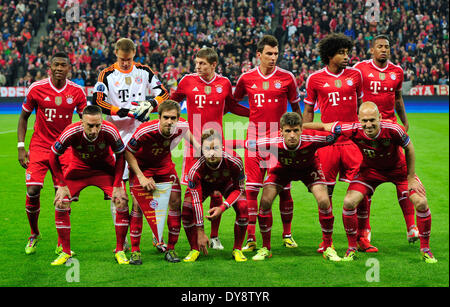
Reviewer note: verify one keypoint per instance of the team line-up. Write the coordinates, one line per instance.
(358, 138)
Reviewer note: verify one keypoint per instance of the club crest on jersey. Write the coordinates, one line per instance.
(393, 76)
(386, 142)
(338, 83)
(102, 146)
(265, 85)
(382, 76)
(219, 89)
(349, 82)
(138, 80)
(69, 99)
(277, 84)
(58, 100)
(28, 176)
(128, 80)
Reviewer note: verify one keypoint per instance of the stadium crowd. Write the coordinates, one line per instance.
(168, 33)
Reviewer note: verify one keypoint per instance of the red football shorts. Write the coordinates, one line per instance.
(343, 159)
(105, 182)
(368, 179)
(170, 176)
(256, 167)
(39, 165)
(282, 177)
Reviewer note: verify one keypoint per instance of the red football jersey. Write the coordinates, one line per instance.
(205, 101)
(301, 157)
(54, 110)
(227, 178)
(90, 155)
(383, 152)
(335, 95)
(152, 150)
(267, 98)
(380, 85)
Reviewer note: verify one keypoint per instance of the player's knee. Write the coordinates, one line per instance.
(265, 204)
(175, 201)
(421, 204)
(33, 190)
(350, 202)
(323, 202)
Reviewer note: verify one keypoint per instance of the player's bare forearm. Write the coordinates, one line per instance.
(410, 161)
(308, 114)
(188, 136)
(22, 126)
(56, 168)
(237, 109)
(296, 108)
(318, 126)
(202, 240)
(132, 163)
(119, 168)
(400, 109)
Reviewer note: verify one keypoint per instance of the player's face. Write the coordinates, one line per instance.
(167, 121)
(60, 68)
(381, 51)
(291, 135)
(370, 122)
(204, 69)
(92, 125)
(124, 59)
(212, 150)
(268, 57)
(340, 59)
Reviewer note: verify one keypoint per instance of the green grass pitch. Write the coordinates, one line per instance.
(396, 264)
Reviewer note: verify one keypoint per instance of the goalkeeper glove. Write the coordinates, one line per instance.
(143, 109)
(123, 112)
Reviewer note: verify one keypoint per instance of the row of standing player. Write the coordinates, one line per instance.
(336, 90)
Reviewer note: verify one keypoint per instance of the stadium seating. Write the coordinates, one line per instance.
(168, 33)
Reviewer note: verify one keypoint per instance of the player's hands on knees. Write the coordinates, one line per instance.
(62, 197)
(119, 197)
(23, 157)
(147, 183)
(202, 240)
(415, 185)
(214, 213)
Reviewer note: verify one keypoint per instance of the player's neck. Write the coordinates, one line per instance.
(209, 77)
(266, 70)
(334, 69)
(59, 84)
(380, 64)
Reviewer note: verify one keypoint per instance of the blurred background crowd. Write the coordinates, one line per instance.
(168, 33)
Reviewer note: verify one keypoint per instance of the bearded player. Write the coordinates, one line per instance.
(97, 159)
(337, 91)
(268, 88)
(382, 84)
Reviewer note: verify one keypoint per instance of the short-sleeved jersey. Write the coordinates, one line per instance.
(335, 95)
(267, 97)
(117, 89)
(90, 155)
(380, 85)
(54, 110)
(228, 178)
(381, 152)
(299, 158)
(152, 149)
(205, 101)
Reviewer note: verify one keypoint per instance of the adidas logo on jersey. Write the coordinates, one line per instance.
(371, 75)
(47, 98)
(254, 86)
(195, 89)
(326, 85)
